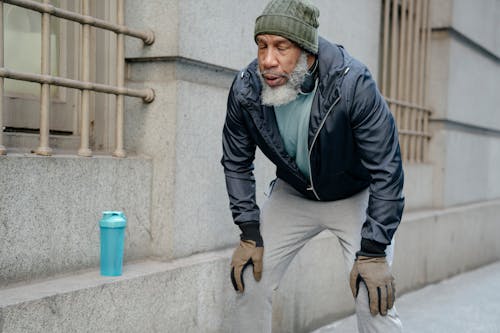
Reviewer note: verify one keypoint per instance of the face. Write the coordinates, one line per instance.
(277, 57)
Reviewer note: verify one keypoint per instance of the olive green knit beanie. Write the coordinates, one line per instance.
(296, 20)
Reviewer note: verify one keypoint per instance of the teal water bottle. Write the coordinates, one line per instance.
(112, 227)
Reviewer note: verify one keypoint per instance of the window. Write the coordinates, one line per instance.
(22, 52)
(405, 50)
(83, 46)
(22, 48)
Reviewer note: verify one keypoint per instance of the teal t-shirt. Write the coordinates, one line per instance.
(293, 123)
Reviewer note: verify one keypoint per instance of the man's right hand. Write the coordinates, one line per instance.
(249, 252)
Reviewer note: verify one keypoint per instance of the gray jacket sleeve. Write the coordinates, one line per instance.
(238, 156)
(376, 136)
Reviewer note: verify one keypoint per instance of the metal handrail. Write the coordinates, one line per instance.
(408, 105)
(147, 36)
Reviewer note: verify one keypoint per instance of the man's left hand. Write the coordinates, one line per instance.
(375, 273)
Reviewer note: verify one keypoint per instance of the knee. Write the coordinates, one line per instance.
(262, 288)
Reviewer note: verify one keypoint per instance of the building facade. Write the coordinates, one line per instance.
(437, 63)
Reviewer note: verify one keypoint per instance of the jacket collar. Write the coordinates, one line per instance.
(333, 61)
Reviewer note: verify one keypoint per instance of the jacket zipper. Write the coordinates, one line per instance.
(311, 187)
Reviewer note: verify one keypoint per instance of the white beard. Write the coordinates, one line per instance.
(288, 92)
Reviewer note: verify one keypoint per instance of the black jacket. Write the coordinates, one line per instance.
(353, 144)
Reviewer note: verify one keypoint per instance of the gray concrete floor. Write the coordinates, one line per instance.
(469, 302)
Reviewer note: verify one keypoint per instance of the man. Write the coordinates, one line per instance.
(316, 113)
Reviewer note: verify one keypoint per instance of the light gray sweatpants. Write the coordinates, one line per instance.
(288, 222)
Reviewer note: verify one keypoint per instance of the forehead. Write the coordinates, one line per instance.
(272, 39)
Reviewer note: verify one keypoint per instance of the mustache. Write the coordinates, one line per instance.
(273, 73)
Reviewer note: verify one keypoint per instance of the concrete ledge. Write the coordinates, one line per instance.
(50, 208)
(436, 244)
(186, 295)
(64, 284)
(194, 294)
(30, 141)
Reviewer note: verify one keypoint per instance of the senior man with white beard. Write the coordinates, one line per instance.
(317, 114)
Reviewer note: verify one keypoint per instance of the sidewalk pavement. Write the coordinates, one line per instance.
(468, 303)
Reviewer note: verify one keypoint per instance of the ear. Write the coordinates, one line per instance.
(310, 60)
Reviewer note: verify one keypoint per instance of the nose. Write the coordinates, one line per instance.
(269, 59)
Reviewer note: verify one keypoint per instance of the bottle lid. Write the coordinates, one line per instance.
(113, 219)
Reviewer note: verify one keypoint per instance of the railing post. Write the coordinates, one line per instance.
(415, 157)
(407, 152)
(385, 48)
(2, 148)
(401, 72)
(44, 148)
(85, 101)
(120, 82)
(394, 59)
(427, 71)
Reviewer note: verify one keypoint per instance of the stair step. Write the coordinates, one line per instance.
(187, 295)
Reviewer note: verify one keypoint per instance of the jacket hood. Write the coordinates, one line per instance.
(332, 58)
(333, 61)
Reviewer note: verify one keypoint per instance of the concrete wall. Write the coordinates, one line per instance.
(462, 180)
(478, 20)
(218, 34)
(464, 79)
(459, 71)
(50, 209)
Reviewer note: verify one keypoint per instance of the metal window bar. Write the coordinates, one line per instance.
(84, 85)
(44, 148)
(405, 64)
(85, 96)
(2, 148)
